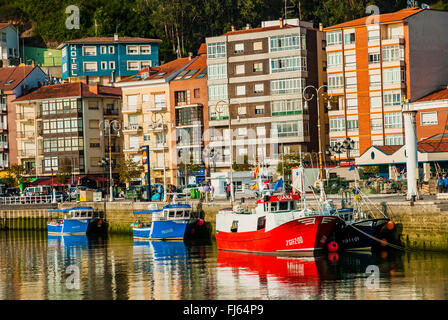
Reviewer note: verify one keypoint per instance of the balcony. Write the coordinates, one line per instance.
(26, 135)
(132, 128)
(152, 128)
(134, 108)
(111, 112)
(392, 40)
(156, 107)
(26, 153)
(159, 147)
(131, 150)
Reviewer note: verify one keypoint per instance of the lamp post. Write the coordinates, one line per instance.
(221, 110)
(116, 126)
(318, 95)
(409, 115)
(348, 144)
(158, 120)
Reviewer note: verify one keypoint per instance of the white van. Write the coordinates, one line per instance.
(37, 191)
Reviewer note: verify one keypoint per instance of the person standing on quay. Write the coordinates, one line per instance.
(440, 184)
(445, 183)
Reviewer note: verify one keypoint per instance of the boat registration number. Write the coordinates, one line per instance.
(297, 240)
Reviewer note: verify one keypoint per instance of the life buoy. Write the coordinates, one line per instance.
(333, 246)
(200, 222)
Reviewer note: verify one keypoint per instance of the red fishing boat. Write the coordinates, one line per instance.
(276, 225)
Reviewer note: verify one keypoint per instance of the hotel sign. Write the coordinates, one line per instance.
(74, 60)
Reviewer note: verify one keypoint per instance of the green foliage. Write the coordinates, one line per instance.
(14, 175)
(245, 166)
(64, 172)
(128, 170)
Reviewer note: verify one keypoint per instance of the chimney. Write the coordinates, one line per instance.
(116, 37)
(233, 28)
(247, 26)
(190, 55)
(281, 22)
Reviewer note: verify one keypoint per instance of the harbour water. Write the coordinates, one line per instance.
(34, 266)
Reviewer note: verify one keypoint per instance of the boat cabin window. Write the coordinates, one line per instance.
(283, 205)
(83, 214)
(261, 223)
(179, 214)
(76, 214)
(187, 214)
(171, 214)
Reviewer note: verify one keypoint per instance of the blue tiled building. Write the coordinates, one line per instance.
(107, 59)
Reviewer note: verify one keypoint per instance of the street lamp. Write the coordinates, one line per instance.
(221, 110)
(348, 145)
(116, 126)
(318, 95)
(158, 121)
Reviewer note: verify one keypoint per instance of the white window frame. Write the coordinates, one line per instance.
(112, 65)
(240, 90)
(133, 61)
(393, 120)
(143, 47)
(334, 59)
(111, 49)
(239, 47)
(103, 65)
(334, 38)
(128, 47)
(217, 71)
(431, 122)
(259, 88)
(90, 62)
(88, 47)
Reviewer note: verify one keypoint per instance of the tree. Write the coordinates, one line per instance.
(245, 166)
(15, 175)
(128, 170)
(289, 161)
(64, 172)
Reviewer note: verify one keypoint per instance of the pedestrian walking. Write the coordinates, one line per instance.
(440, 184)
(212, 193)
(207, 193)
(445, 183)
(228, 191)
(201, 192)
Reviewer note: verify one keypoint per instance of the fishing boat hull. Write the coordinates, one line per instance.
(69, 227)
(300, 235)
(360, 235)
(165, 230)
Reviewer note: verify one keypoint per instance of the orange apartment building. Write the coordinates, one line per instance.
(377, 62)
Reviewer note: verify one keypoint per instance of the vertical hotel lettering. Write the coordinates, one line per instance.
(74, 63)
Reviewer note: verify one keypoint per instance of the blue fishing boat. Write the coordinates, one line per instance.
(172, 222)
(76, 221)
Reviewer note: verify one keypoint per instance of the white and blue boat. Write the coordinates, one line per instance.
(172, 222)
(76, 221)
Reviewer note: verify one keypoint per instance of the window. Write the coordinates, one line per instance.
(239, 47)
(392, 120)
(375, 102)
(239, 69)
(103, 65)
(377, 142)
(392, 76)
(258, 45)
(94, 143)
(374, 80)
(197, 93)
(352, 125)
(240, 90)
(334, 38)
(334, 59)
(145, 64)
(286, 64)
(259, 109)
(93, 105)
(216, 50)
(112, 64)
(111, 49)
(159, 100)
(103, 50)
(428, 118)
(89, 51)
(285, 43)
(132, 50)
(242, 131)
(374, 58)
(335, 81)
(217, 71)
(352, 103)
(259, 88)
(393, 53)
(288, 129)
(286, 107)
(261, 131)
(282, 86)
(145, 49)
(133, 142)
(241, 110)
(133, 65)
(376, 124)
(90, 66)
(258, 67)
(373, 35)
(349, 38)
(394, 140)
(217, 92)
(350, 60)
(337, 124)
(222, 112)
(350, 82)
(392, 98)
(182, 97)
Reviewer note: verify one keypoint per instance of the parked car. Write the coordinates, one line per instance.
(37, 191)
(188, 188)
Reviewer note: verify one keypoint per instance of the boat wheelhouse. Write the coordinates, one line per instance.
(172, 222)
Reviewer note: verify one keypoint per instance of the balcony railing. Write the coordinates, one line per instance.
(27, 153)
(28, 115)
(131, 128)
(26, 134)
(111, 112)
(131, 108)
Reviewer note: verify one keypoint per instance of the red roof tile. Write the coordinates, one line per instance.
(388, 149)
(4, 25)
(74, 89)
(260, 29)
(202, 49)
(13, 76)
(436, 95)
(383, 18)
(199, 64)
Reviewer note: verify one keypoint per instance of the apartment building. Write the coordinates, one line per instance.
(64, 123)
(189, 106)
(105, 60)
(147, 120)
(9, 43)
(377, 62)
(14, 82)
(256, 78)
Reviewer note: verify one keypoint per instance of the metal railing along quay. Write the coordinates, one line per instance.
(30, 200)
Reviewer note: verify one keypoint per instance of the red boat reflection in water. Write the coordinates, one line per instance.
(301, 274)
